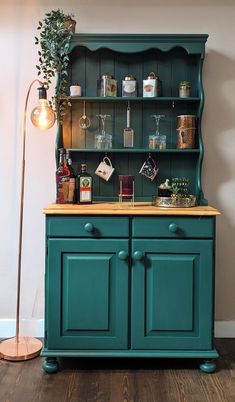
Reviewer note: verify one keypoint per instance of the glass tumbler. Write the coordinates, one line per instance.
(126, 187)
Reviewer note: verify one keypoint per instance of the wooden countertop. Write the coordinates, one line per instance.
(115, 208)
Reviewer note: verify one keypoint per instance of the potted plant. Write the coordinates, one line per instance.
(179, 187)
(184, 89)
(56, 31)
(180, 192)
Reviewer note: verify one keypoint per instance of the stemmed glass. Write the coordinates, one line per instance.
(103, 140)
(155, 139)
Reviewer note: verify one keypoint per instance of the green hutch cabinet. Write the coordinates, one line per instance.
(124, 281)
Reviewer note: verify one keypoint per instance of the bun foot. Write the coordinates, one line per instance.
(208, 366)
(50, 365)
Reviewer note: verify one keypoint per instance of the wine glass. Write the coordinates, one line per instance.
(103, 140)
(154, 140)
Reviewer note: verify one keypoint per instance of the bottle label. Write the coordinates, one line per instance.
(62, 189)
(85, 187)
(71, 190)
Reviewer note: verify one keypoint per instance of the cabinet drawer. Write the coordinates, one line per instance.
(86, 226)
(174, 227)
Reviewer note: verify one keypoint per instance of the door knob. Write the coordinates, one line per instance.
(138, 255)
(122, 255)
(173, 227)
(89, 227)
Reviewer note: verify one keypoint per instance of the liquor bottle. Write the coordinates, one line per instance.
(62, 180)
(72, 178)
(84, 186)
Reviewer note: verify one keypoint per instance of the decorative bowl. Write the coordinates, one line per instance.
(173, 202)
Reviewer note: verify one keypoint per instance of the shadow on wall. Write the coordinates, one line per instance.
(219, 169)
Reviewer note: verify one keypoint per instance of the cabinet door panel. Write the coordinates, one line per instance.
(172, 295)
(175, 296)
(86, 286)
(84, 309)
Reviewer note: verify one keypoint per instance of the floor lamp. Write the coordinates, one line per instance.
(24, 347)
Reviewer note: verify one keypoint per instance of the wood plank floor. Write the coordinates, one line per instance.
(104, 380)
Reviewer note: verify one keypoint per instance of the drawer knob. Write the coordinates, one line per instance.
(173, 228)
(122, 255)
(138, 255)
(89, 227)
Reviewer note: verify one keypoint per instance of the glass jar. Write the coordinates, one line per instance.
(162, 142)
(103, 141)
(153, 141)
(126, 187)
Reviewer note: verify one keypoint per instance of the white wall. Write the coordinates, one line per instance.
(19, 20)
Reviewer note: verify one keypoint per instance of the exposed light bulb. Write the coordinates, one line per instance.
(42, 116)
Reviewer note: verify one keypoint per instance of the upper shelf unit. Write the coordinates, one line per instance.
(173, 58)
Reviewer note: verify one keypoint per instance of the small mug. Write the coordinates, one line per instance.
(149, 169)
(105, 170)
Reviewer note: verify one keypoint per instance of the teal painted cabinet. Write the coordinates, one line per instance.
(133, 286)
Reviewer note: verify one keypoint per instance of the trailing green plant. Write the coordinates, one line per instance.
(54, 41)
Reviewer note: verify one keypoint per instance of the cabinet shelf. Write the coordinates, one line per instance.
(134, 150)
(140, 99)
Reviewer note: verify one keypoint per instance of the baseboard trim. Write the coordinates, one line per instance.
(223, 329)
(33, 328)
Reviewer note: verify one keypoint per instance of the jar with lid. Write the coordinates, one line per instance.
(129, 86)
(106, 85)
(152, 86)
(164, 189)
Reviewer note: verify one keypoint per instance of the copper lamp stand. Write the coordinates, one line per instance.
(21, 347)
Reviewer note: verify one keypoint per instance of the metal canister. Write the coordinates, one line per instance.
(106, 85)
(184, 89)
(129, 86)
(152, 86)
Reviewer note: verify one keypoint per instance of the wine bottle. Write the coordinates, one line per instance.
(62, 180)
(72, 178)
(85, 184)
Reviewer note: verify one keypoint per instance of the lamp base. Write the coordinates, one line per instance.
(24, 348)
